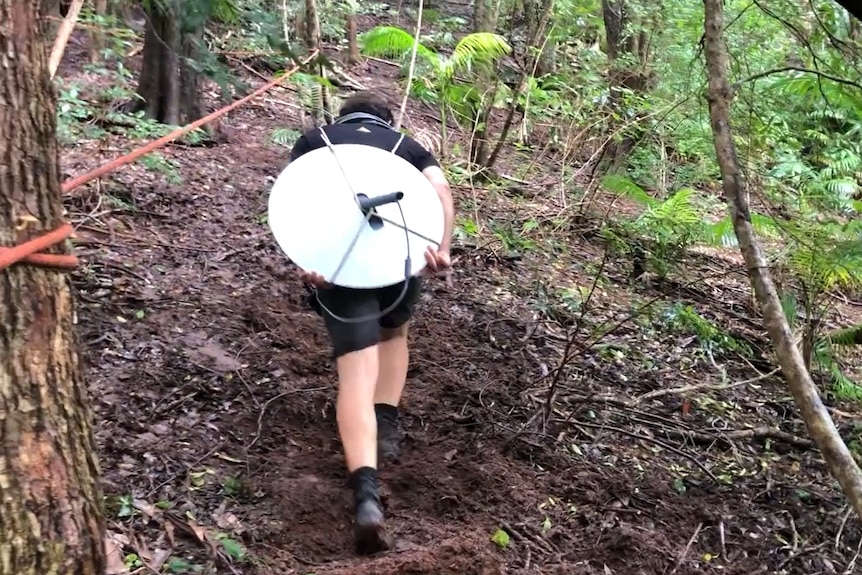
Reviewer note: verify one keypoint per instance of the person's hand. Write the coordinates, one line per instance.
(313, 278)
(437, 260)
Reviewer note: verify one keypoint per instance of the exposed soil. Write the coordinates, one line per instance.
(214, 391)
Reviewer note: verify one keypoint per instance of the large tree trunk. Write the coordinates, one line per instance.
(168, 86)
(51, 510)
(838, 458)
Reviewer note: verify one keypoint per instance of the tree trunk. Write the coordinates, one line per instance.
(536, 15)
(626, 63)
(482, 17)
(97, 36)
(319, 106)
(51, 518)
(838, 458)
(538, 30)
(168, 85)
(352, 43)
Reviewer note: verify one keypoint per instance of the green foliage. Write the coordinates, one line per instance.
(450, 82)
(477, 50)
(685, 318)
(664, 230)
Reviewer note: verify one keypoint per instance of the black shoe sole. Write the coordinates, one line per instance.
(370, 539)
(369, 532)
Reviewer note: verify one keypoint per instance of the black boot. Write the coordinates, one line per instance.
(369, 529)
(388, 432)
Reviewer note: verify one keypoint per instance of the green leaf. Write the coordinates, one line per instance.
(233, 548)
(393, 42)
(625, 187)
(476, 48)
(501, 538)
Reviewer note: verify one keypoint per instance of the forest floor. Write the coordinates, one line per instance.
(213, 391)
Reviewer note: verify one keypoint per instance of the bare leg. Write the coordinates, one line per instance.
(394, 358)
(357, 425)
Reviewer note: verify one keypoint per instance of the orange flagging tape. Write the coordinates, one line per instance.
(29, 251)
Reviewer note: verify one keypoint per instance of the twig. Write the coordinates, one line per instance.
(851, 566)
(841, 527)
(660, 443)
(687, 547)
(345, 77)
(818, 73)
(266, 404)
(189, 467)
(759, 433)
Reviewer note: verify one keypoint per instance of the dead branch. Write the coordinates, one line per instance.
(63, 35)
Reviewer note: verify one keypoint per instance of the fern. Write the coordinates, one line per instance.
(625, 187)
(671, 226)
(394, 42)
(479, 48)
(848, 336)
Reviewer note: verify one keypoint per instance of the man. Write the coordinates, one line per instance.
(372, 357)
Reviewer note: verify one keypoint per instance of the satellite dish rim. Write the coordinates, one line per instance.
(311, 195)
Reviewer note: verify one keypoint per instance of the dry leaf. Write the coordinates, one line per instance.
(114, 564)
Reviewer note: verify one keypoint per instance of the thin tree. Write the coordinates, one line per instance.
(51, 517)
(838, 458)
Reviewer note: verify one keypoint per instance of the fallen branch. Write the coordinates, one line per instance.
(700, 386)
(758, 433)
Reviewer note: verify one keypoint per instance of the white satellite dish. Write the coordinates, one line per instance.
(315, 217)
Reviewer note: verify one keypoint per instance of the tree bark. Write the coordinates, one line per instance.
(838, 458)
(319, 106)
(627, 71)
(51, 518)
(167, 85)
(97, 37)
(536, 15)
(352, 41)
(482, 17)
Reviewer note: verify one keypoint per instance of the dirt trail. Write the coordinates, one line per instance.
(214, 396)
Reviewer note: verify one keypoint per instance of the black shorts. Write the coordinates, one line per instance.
(357, 303)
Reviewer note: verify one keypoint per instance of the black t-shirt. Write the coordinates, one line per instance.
(368, 134)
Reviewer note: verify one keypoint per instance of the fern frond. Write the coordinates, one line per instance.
(722, 232)
(393, 42)
(625, 187)
(226, 11)
(474, 49)
(848, 336)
